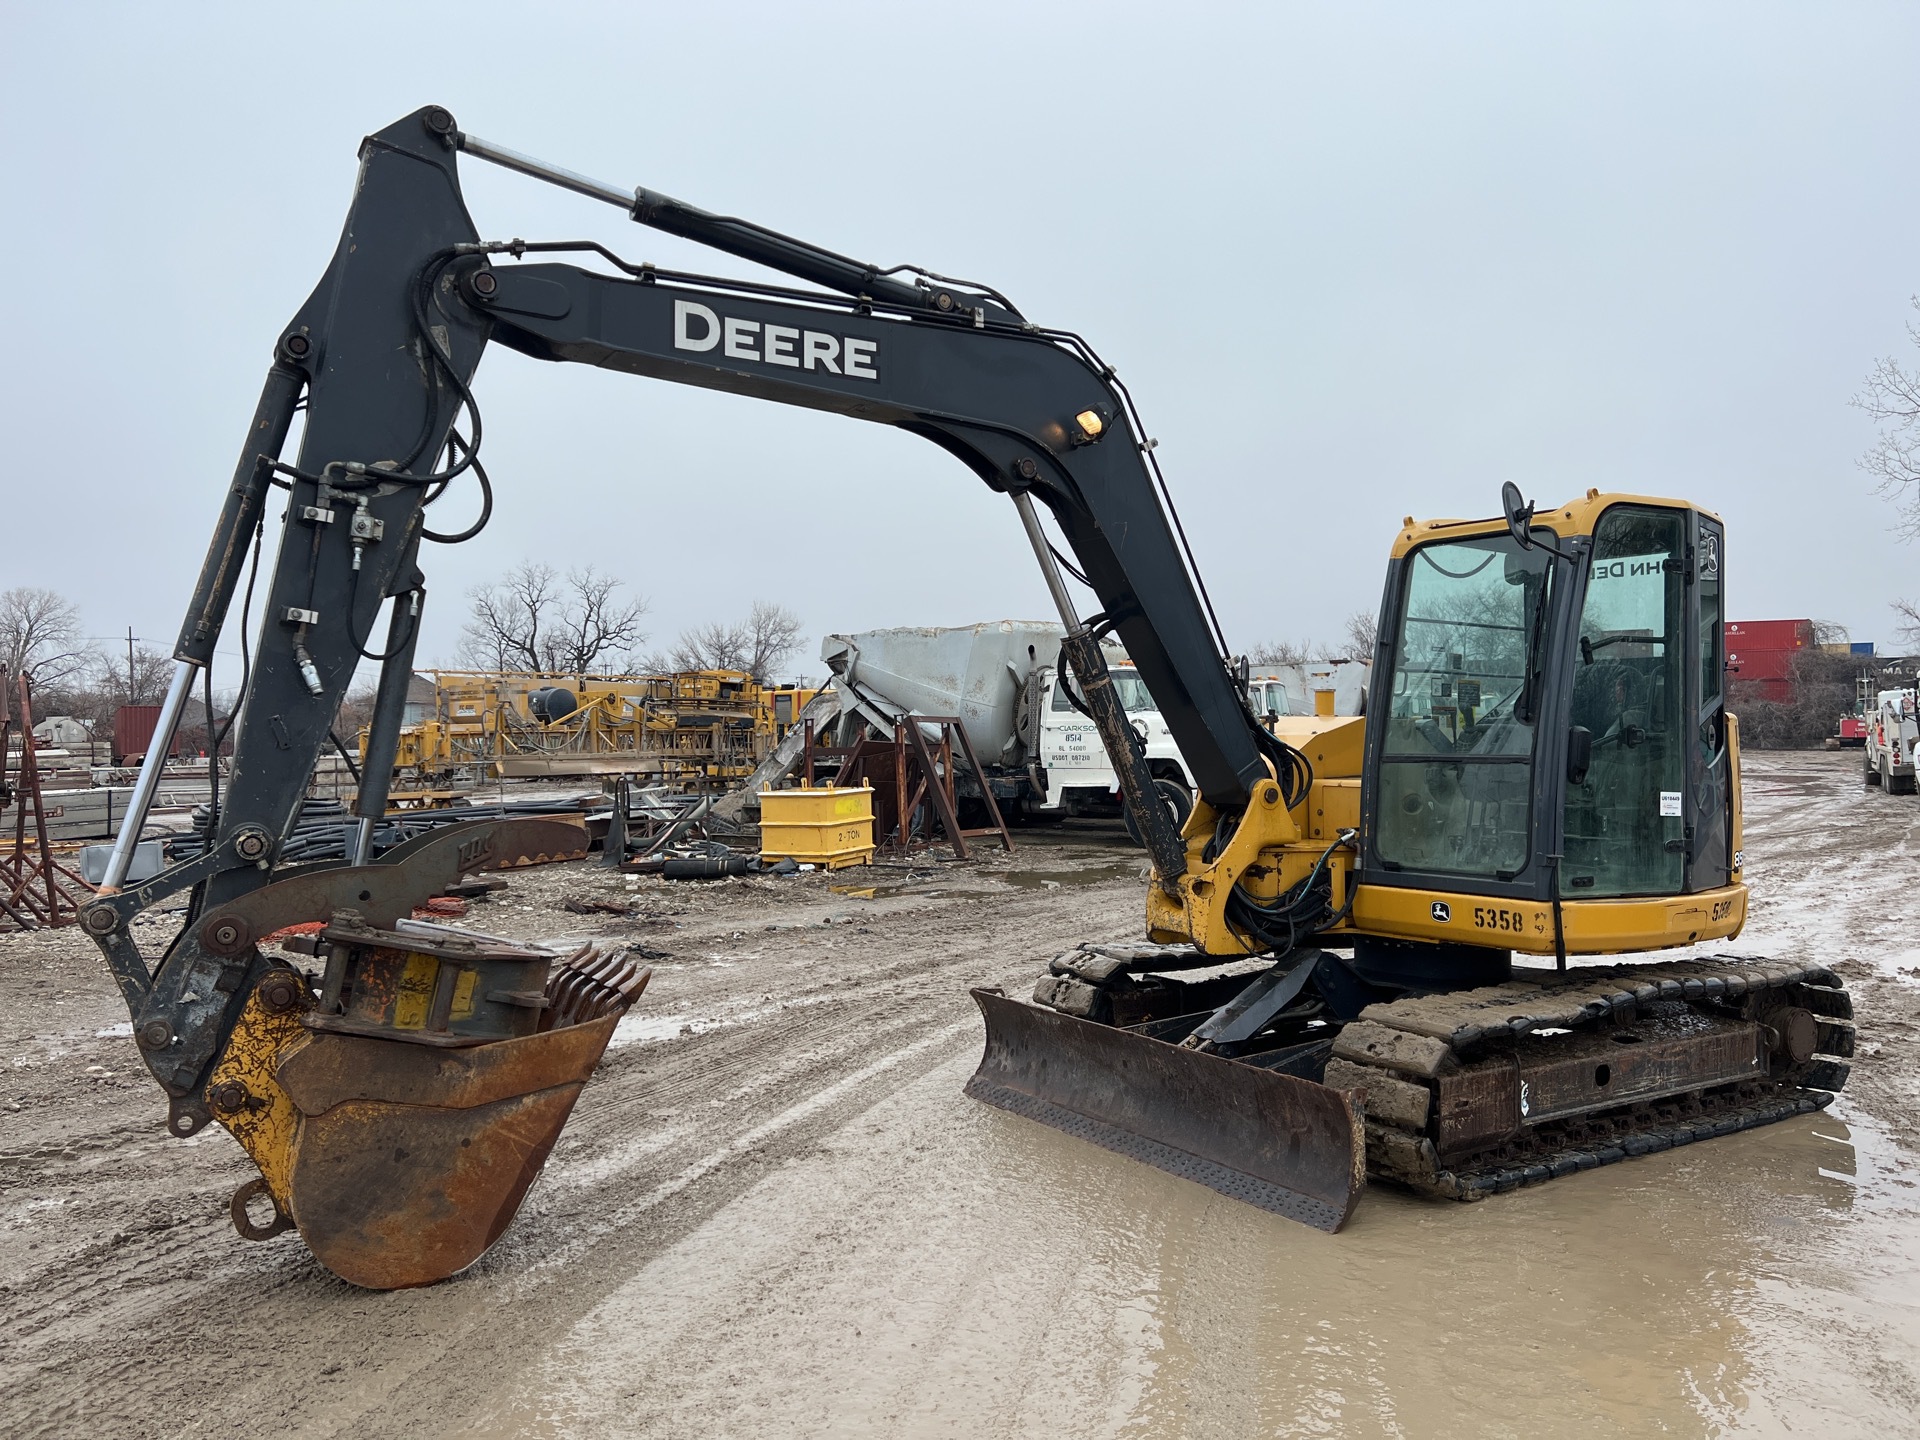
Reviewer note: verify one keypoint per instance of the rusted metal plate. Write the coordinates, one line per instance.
(333, 1070)
(411, 1160)
(558, 837)
(434, 985)
(1476, 1107)
(1275, 1141)
(1654, 1057)
(389, 1197)
(249, 1100)
(1555, 1077)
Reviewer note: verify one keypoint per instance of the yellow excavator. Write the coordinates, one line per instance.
(1547, 768)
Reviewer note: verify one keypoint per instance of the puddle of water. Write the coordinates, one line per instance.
(920, 892)
(940, 1267)
(647, 1029)
(639, 1030)
(1092, 875)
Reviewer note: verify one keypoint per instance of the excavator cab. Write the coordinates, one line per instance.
(1553, 722)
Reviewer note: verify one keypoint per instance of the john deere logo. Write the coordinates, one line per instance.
(1442, 912)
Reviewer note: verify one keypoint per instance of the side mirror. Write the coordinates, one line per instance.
(1579, 754)
(1519, 515)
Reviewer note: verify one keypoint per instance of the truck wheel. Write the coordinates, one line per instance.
(1871, 774)
(1178, 802)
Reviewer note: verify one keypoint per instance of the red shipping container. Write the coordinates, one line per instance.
(1750, 664)
(1752, 635)
(133, 727)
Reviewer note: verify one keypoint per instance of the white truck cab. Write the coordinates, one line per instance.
(1893, 731)
(1079, 777)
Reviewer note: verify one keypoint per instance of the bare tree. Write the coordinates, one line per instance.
(534, 618)
(355, 713)
(1891, 399)
(757, 645)
(40, 633)
(107, 680)
(1907, 620)
(713, 646)
(137, 679)
(1829, 632)
(506, 628)
(1361, 627)
(773, 634)
(1358, 645)
(1282, 652)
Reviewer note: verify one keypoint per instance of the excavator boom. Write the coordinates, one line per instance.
(459, 1054)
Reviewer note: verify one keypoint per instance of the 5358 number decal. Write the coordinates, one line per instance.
(1492, 918)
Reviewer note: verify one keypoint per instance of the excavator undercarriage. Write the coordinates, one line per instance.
(1457, 1095)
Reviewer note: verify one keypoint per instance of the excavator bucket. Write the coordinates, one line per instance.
(400, 1108)
(401, 1163)
(1281, 1143)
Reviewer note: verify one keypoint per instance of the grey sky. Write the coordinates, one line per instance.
(1355, 262)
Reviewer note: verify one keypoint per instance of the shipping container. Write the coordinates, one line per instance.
(1776, 691)
(1746, 664)
(1753, 635)
(133, 727)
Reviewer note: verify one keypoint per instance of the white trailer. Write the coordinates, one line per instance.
(1893, 732)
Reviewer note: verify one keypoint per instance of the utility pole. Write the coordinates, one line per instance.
(129, 664)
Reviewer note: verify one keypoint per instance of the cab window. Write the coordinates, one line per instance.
(1625, 823)
(1463, 702)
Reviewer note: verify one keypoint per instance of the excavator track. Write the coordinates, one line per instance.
(1473, 1093)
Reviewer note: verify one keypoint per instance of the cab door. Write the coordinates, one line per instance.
(1628, 818)
(1710, 778)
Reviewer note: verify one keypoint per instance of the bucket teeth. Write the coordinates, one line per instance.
(593, 983)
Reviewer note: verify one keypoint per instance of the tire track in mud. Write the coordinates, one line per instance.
(172, 1323)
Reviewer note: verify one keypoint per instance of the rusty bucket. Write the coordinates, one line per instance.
(400, 1162)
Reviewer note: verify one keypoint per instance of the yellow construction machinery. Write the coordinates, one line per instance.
(1547, 769)
(685, 728)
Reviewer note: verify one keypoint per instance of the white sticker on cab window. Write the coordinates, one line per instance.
(1669, 802)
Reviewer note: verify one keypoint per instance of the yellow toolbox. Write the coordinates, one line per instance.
(827, 825)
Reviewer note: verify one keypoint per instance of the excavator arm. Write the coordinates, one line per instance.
(399, 1111)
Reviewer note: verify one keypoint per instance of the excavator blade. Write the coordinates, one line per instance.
(399, 1163)
(1283, 1144)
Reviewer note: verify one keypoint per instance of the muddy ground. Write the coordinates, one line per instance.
(775, 1214)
